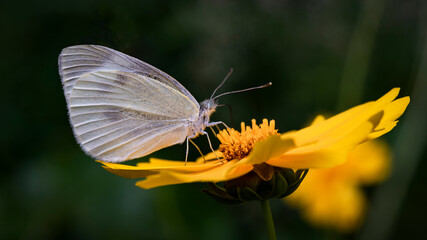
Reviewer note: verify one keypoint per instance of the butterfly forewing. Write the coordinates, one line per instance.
(76, 61)
(118, 115)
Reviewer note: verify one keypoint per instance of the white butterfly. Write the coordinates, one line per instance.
(122, 108)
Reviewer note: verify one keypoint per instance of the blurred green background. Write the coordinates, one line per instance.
(322, 57)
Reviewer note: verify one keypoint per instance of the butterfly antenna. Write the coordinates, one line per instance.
(222, 83)
(243, 90)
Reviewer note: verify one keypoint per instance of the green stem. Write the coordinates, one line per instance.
(265, 204)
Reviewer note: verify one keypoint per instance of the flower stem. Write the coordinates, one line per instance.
(265, 204)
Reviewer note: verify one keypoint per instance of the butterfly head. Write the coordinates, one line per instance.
(207, 107)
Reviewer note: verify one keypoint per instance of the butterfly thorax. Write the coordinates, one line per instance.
(207, 107)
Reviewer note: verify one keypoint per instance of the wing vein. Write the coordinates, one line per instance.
(125, 142)
(108, 84)
(103, 135)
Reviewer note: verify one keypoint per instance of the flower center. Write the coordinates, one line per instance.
(237, 145)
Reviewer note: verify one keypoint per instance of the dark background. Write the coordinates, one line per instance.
(322, 57)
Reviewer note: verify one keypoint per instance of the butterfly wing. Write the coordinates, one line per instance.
(117, 116)
(76, 61)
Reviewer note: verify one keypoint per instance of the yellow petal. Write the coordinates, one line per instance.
(269, 148)
(316, 131)
(334, 210)
(126, 171)
(218, 174)
(331, 197)
(157, 181)
(329, 152)
(368, 163)
(156, 165)
(326, 142)
(180, 166)
(385, 128)
(395, 109)
(210, 156)
(272, 147)
(318, 119)
(391, 112)
(346, 121)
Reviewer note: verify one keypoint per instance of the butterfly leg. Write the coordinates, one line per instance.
(186, 154)
(198, 149)
(213, 131)
(216, 123)
(210, 125)
(210, 145)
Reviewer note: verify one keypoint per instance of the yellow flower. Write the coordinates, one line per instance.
(160, 172)
(261, 150)
(332, 197)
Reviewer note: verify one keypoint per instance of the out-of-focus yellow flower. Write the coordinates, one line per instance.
(333, 198)
(262, 151)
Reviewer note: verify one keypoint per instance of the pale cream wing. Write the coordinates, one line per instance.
(76, 61)
(117, 116)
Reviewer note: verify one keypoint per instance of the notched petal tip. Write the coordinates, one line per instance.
(376, 119)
